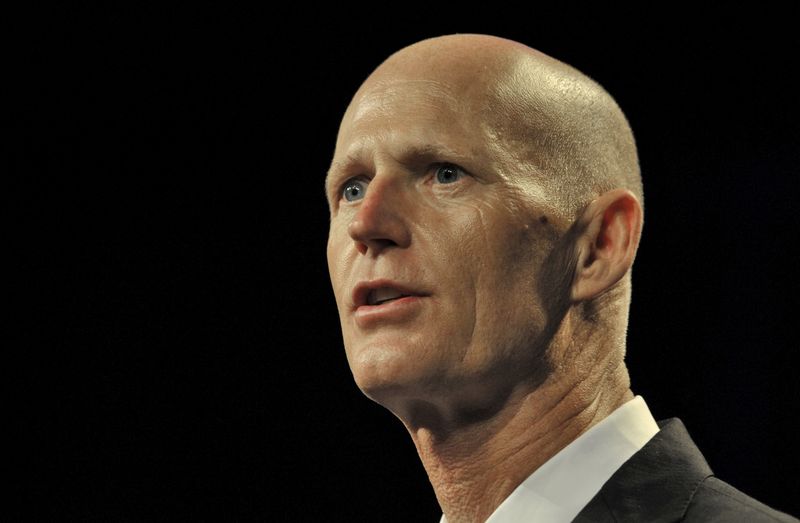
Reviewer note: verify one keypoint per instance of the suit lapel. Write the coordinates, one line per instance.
(655, 485)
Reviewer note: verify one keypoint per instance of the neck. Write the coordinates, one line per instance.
(473, 466)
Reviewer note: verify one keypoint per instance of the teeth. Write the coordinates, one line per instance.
(384, 294)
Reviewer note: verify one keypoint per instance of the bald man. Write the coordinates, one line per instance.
(486, 208)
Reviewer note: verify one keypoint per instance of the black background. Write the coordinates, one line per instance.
(178, 353)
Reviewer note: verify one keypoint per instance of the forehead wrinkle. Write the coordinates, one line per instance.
(382, 94)
(419, 124)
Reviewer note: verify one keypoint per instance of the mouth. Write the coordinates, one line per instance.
(384, 295)
(380, 292)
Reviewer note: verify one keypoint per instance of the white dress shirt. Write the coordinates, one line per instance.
(558, 490)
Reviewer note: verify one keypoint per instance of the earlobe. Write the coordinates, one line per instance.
(606, 246)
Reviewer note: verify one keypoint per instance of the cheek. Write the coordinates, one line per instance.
(455, 240)
(492, 245)
(339, 261)
(491, 257)
(509, 246)
(504, 239)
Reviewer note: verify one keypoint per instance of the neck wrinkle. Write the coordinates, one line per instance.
(473, 468)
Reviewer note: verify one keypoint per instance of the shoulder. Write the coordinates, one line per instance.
(669, 480)
(715, 500)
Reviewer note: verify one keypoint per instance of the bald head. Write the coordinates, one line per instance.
(562, 130)
(484, 211)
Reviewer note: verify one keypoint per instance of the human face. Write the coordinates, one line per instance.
(429, 213)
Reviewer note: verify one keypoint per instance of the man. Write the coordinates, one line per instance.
(486, 208)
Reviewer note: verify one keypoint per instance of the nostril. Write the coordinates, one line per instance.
(374, 245)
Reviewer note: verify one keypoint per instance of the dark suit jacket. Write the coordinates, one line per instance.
(669, 480)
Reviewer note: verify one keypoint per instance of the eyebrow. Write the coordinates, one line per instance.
(336, 168)
(408, 155)
(429, 151)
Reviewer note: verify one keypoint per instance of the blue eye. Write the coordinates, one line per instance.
(354, 190)
(448, 173)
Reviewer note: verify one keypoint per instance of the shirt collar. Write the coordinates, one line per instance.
(558, 490)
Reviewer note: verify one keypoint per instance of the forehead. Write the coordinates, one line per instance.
(384, 97)
(401, 115)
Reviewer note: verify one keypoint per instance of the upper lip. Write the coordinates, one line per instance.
(362, 290)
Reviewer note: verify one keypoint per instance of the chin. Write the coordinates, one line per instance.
(383, 374)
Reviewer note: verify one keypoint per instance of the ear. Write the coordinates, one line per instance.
(610, 229)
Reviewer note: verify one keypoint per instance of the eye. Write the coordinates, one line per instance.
(354, 190)
(448, 173)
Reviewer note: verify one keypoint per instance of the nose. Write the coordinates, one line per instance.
(381, 221)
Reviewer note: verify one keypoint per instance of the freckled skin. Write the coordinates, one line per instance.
(476, 246)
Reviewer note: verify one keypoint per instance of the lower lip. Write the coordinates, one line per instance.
(389, 312)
